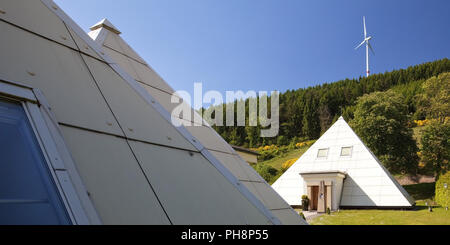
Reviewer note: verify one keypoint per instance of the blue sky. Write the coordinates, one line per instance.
(266, 45)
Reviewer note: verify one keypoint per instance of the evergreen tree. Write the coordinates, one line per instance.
(306, 113)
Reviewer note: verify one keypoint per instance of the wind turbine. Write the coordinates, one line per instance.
(366, 41)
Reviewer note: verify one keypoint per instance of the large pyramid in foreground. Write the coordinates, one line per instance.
(339, 171)
(104, 149)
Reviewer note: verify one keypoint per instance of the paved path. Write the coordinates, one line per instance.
(311, 215)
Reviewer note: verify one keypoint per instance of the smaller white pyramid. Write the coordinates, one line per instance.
(341, 152)
(105, 23)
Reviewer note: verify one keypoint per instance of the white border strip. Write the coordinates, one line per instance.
(56, 163)
(69, 165)
(18, 92)
(31, 101)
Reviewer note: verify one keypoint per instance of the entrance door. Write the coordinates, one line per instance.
(314, 197)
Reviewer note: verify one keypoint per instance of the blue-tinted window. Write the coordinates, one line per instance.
(28, 194)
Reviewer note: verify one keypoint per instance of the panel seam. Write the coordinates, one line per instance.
(51, 40)
(118, 123)
(104, 45)
(123, 137)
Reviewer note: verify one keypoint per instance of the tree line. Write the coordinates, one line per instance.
(306, 113)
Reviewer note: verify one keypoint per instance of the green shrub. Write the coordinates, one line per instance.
(266, 171)
(282, 140)
(443, 194)
(305, 203)
(294, 141)
(269, 152)
(302, 215)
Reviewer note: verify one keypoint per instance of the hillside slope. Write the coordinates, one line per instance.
(306, 113)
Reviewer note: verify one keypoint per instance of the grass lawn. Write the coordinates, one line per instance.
(419, 216)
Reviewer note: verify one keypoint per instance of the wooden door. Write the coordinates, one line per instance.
(314, 197)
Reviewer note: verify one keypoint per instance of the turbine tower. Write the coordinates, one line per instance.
(366, 41)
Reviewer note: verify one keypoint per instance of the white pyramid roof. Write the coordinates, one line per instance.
(136, 166)
(368, 183)
(124, 55)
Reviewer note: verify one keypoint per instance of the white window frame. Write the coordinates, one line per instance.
(351, 151)
(323, 157)
(57, 156)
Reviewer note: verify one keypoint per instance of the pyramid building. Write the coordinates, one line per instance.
(87, 136)
(339, 171)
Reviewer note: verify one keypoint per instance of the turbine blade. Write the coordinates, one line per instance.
(360, 44)
(370, 46)
(365, 30)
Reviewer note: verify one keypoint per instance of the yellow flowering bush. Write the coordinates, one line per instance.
(286, 165)
(270, 151)
(303, 144)
(421, 123)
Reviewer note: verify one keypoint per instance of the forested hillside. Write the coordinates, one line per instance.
(306, 113)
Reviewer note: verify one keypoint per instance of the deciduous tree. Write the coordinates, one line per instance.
(435, 149)
(380, 119)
